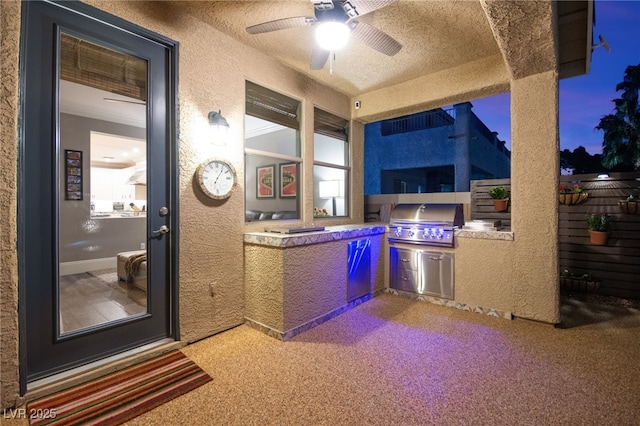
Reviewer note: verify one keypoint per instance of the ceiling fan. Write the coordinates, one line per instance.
(336, 22)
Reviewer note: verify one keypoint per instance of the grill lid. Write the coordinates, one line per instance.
(450, 215)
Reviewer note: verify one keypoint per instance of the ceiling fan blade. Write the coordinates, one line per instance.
(318, 58)
(355, 8)
(374, 38)
(281, 24)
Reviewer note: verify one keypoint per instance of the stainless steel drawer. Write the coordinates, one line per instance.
(407, 259)
(422, 271)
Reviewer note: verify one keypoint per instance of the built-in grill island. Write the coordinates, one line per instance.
(415, 233)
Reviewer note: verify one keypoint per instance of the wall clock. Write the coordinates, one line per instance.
(217, 178)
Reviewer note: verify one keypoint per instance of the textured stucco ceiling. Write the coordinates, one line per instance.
(436, 35)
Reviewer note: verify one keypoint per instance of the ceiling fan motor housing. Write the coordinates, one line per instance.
(335, 14)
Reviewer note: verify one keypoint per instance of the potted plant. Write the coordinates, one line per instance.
(598, 228)
(500, 196)
(630, 205)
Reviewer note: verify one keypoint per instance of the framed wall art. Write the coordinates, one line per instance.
(265, 179)
(288, 180)
(73, 175)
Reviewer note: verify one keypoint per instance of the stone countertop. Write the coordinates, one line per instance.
(330, 233)
(485, 235)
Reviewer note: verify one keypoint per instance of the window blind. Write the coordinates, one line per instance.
(330, 125)
(271, 106)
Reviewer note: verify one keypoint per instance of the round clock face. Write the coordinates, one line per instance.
(217, 178)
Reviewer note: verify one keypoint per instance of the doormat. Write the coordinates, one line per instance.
(121, 396)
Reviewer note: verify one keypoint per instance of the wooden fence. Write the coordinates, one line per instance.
(616, 265)
(482, 204)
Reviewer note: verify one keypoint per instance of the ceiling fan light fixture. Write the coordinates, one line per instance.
(332, 35)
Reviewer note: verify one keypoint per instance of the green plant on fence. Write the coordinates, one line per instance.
(498, 193)
(598, 222)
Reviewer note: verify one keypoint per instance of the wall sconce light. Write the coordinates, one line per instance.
(603, 175)
(329, 189)
(216, 119)
(218, 126)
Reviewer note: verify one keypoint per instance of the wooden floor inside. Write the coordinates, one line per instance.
(87, 300)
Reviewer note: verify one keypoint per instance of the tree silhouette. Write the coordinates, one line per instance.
(621, 141)
(580, 161)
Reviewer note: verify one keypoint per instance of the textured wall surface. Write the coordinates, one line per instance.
(288, 287)
(264, 285)
(534, 198)
(315, 281)
(9, 48)
(483, 274)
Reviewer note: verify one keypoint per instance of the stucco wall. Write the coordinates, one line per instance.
(314, 281)
(9, 41)
(534, 203)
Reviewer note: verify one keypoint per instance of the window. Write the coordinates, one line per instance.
(331, 169)
(273, 161)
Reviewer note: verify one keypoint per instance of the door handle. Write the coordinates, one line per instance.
(163, 230)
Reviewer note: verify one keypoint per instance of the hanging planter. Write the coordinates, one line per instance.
(572, 198)
(583, 284)
(629, 206)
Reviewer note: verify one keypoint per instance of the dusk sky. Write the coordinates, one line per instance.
(584, 99)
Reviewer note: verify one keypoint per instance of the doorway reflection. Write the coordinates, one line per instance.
(102, 225)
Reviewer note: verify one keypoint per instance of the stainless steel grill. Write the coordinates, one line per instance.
(425, 224)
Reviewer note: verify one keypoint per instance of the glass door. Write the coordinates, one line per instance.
(96, 194)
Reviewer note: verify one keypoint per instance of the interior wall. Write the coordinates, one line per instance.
(107, 237)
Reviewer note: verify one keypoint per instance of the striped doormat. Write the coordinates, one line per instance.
(121, 396)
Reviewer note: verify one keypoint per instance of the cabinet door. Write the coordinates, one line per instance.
(436, 274)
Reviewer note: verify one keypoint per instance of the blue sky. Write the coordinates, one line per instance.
(584, 99)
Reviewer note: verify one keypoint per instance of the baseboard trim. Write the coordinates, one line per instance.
(80, 266)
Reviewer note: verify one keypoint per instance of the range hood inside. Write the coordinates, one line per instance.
(139, 177)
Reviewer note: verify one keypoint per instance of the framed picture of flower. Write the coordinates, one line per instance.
(288, 180)
(265, 181)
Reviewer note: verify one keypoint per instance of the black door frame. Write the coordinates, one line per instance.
(25, 216)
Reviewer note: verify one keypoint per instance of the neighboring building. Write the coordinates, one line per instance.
(439, 150)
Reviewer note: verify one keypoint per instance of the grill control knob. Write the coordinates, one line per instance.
(398, 231)
(411, 232)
